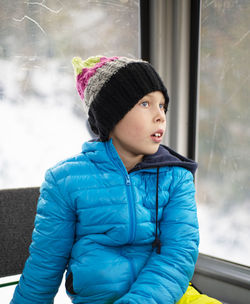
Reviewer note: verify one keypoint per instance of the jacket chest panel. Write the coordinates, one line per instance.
(121, 211)
(146, 188)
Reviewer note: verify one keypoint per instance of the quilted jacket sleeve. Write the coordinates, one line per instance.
(51, 245)
(166, 276)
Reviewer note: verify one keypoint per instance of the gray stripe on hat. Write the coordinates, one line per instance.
(102, 75)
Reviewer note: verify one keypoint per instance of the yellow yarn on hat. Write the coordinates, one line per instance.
(79, 64)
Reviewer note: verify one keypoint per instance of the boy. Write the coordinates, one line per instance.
(121, 215)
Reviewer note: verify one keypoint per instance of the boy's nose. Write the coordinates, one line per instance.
(160, 116)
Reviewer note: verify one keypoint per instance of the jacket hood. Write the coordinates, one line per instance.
(166, 157)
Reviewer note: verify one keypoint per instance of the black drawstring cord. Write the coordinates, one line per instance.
(157, 242)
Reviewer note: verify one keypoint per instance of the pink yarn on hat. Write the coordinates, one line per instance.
(83, 78)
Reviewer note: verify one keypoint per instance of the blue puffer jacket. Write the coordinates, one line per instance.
(99, 222)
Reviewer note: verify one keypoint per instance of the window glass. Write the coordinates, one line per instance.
(224, 130)
(41, 117)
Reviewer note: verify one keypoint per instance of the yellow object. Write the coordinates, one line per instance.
(192, 296)
(79, 64)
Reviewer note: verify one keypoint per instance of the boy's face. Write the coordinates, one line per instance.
(141, 130)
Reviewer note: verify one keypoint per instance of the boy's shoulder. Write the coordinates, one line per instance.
(80, 161)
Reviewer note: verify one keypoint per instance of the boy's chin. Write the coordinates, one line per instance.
(152, 150)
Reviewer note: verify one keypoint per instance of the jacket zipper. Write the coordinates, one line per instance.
(131, 207)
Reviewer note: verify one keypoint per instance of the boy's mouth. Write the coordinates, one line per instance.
(157, 136)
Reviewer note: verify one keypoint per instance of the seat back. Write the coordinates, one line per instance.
(17, 213)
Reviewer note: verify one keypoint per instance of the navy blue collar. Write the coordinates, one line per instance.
(166, 157)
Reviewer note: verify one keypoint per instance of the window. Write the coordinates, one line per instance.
(224, 130)
(41, 118)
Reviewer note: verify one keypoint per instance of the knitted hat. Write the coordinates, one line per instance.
(110, 87)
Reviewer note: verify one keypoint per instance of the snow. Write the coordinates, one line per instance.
(35, 137)
(225, 234)
(40, 129)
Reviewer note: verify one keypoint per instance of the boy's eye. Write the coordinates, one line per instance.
(145, 104)
(162, 106)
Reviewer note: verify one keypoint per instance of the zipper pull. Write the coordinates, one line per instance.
(128, 181)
